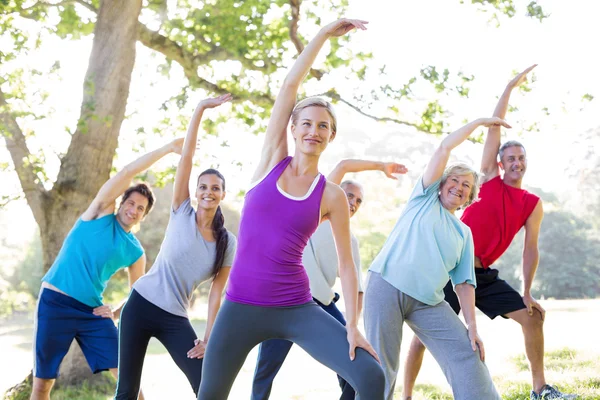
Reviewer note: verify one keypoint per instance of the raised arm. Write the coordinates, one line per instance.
(346, 166)
(275, 144)
(181, 187)
(438, 161)
(104, 202)
(489, 160)
(338, 214)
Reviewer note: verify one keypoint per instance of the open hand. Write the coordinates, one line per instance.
(104, 312)
(493, 121)
(176, 145)
(522, 77)
(198, 350)
(213, 102)
(391, 168)
(476, 343)
(356, 339)
(343, 26)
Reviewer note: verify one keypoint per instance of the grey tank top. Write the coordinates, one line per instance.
(185, 260)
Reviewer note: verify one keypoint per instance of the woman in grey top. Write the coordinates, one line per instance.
(196, 248)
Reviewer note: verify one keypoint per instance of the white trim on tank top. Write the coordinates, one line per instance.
(307, 195)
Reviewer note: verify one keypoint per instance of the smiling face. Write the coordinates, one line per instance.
(312, 130)
(514, 163)
(355, 195)
(456, 191)
(209, 191)
(132, 210)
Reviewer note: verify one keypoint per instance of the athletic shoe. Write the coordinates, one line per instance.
(550, 392)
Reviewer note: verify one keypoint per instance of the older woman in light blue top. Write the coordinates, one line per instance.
(428, 246)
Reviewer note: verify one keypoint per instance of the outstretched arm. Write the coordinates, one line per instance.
(181, 187)
(336, 207)
(531, 257)
(438, 161)
(489, 163)
(346, 166)
(275, 144)
(104, 202)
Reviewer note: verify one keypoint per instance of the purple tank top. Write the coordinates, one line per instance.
(274, 230)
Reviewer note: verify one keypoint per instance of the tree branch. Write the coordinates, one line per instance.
(19, 153)
(332, 94)
(190, 63)
(295, 5)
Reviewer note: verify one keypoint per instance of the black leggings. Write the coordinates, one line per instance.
(141, 320)
(240, 327)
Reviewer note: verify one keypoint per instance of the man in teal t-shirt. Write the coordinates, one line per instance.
(99, 244)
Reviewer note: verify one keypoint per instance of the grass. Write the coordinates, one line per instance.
(558, 360)
(578, 374)
(104, 390)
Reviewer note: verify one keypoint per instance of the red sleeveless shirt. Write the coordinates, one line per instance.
(496, 217)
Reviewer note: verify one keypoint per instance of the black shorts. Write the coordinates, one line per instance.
(493, 296)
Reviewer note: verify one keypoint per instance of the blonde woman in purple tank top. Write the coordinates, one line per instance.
(268, 294)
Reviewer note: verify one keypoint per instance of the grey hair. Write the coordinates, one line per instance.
(315, 102)
(462, 169)
(510, 143)
(352, 182)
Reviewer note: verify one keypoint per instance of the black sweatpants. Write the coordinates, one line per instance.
(141, 320)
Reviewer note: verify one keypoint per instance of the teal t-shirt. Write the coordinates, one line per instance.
(427, 246)
(91, 253)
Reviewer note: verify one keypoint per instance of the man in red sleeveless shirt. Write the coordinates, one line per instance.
(502, 209)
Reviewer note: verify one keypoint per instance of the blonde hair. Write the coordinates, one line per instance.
(315, 102)
(462, 169)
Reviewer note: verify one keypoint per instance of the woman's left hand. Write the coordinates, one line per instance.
(198, 350)
(356, 339)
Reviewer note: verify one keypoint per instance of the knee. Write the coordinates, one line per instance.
(534, 322)
(42, 387)
(371, 380)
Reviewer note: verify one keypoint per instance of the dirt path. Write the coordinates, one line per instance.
(573, 324)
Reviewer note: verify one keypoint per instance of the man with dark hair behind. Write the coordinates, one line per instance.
(503, 208)
(70, 301)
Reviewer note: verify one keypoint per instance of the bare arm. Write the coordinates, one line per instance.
(347, 166)
(275, 144)
(489, 163)
(181, 187)
(135, 271)
(214, 303)
(104, 202)
(438, 161)
(214, 298)
(531, 257)
(336, 207)
(466, 297)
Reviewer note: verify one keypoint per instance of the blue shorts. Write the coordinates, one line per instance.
(59, 320)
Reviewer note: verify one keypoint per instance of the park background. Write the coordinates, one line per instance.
(422, 69)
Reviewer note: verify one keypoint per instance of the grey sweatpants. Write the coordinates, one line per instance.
(240, 327)
(440, 330)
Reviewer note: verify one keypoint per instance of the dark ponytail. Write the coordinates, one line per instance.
(218, 228)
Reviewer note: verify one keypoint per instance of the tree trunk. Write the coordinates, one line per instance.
(87, 164)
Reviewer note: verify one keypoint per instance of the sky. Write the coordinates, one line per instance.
(404, 35)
